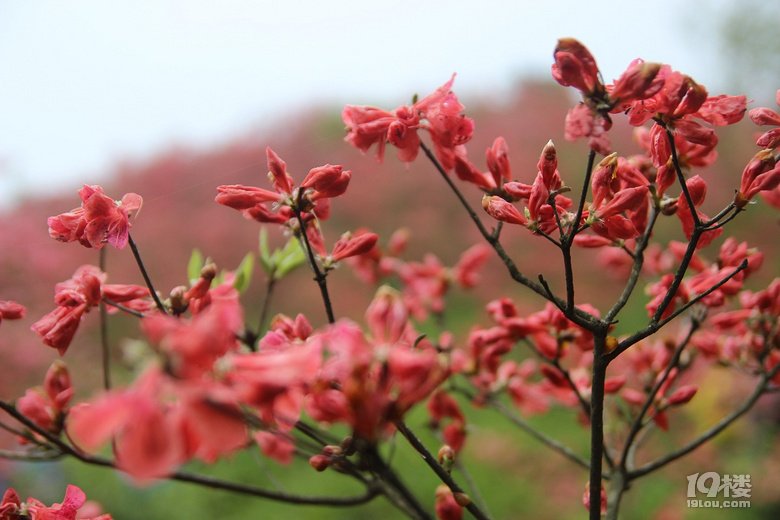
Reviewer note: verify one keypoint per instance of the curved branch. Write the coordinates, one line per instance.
(372, 488)
(724, 423)
(654, 327)
(580, 317)
(437, 468)
(145, 274)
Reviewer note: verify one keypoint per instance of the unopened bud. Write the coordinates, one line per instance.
(447, 457)
(610, 344)
(462, 499)
(209, 271)
(682, 395)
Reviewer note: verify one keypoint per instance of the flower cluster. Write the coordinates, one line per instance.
(439, 113)
(75, 297)
(73, 506)
(100, 220)
(298, 208)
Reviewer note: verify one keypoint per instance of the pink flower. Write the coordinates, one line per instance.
(760, 174)
(11, 508)
(311, 198)
(502, 210)
(192, 347)
(349, 245)
(575, 66)
(765, 116)
(46, 405)
(498, 161)
(639, 81)
(98, 221)
(367, 126)
(369, 384)
(697, 189)
(682, 395)
(581, 121)
(466, 271)
(77, 296)
(439, 113)
(11, 310)
(158, 423)
(445, 506)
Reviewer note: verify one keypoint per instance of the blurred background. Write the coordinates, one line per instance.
(169, 99)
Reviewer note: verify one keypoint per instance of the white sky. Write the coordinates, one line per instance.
(86, 82)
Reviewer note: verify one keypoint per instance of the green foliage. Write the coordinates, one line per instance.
(244, 273)
(282, 261)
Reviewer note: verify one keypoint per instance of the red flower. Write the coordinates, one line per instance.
(77, 296)
(575, 66)
(11, 508)
(46, 405)
(439, 113)
(760, 174)
(98, 221)
(311, 198)
(11, 310)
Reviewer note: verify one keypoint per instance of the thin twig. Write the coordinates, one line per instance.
(735, 414)
(654, 327)
(145, 274)
(204, 480)
(437, 468)
(319, 276)
(636, 426)
(579, 316)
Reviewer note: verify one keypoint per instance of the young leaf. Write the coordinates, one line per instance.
(244, 273)
(195, 264)
(289, 258)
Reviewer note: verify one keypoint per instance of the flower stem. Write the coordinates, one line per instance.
(146, 275)
(319, 276)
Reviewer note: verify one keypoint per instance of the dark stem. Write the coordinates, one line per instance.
(533, 432)
(637, 424)
(568, 241)
(183, 476)
(437, 468)
(319, 276)
(123, 308)
(639, 258)
(579, 316)
(146, 275)
(385, 472)
(583, 196)
(597, 424)
(758, 391)
(681, 179)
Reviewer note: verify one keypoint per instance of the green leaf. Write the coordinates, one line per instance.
(267, 261)
(195, 265)
(244, 273)
(291, 257)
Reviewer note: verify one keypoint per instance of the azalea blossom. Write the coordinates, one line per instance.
(100, 220)
(11, 310)
(46, 405)
(310, 198)
(439, 113)
(77, 296)
(158, 423)
(12, 508)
